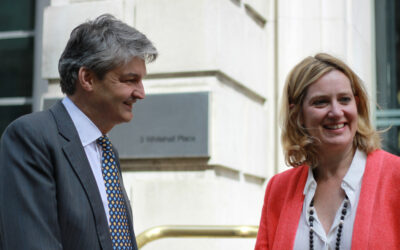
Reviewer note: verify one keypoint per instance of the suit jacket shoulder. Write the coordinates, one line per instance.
(43, 163)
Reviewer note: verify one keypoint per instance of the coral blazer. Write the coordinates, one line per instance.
(377, 222)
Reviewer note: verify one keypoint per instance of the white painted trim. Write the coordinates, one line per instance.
(16, 34)
(15, 101)
(40, 85)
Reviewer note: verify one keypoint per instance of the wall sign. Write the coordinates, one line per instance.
(163, 126)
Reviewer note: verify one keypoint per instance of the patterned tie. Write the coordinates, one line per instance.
(119, 224)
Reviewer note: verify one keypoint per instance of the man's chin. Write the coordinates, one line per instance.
(127, 117)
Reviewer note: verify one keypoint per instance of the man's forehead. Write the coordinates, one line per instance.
(135, 67)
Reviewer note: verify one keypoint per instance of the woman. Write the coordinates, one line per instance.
(343, 191)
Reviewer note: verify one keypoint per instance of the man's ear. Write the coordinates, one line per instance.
(86, 78)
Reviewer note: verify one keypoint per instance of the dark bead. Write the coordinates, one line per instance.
(337, 248)
(311, 218)
(345, 204)
(339, 229)
(342, 217)
(311, 224)
(311, 212)
(344, 211)
(340, 226)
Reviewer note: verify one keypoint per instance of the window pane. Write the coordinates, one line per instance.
(387, 52)
(388, 68)
(17, 15)
(391, 140)
(10, 113)
(16, 67)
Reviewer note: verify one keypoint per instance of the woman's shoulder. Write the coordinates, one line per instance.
(290, 173)
(290, 177)
(384, 164)
(382, 156)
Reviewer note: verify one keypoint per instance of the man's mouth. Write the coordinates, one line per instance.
(129, 103)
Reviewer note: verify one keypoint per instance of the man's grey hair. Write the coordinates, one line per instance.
(101, 45)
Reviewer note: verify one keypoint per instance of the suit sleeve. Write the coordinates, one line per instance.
(262, 235)
(28, 211)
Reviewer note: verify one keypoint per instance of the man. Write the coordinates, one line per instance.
(60, 180)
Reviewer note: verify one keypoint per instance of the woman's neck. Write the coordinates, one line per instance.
(334, 163)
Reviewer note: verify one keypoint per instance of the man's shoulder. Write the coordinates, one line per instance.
(32, 119)
(31, 124)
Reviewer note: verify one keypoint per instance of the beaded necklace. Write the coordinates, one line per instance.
(311, 219)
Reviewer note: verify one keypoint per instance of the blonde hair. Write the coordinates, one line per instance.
(299, 147)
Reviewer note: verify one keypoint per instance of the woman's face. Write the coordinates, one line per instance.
(330, 111)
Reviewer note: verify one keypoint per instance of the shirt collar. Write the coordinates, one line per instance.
(351, 181)
(310, 181)
(87, 131)
(356, 171)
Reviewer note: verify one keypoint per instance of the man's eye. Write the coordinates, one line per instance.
(133, 80)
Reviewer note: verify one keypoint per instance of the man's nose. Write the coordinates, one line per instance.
(139, 92)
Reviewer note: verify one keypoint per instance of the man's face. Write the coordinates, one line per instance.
(115, 94)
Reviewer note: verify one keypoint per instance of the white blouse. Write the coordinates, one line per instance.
(351, 185)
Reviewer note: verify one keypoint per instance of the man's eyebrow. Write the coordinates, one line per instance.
(130, 74)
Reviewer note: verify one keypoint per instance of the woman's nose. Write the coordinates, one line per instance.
(336, 110)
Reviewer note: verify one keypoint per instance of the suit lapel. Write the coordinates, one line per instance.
(75, 154)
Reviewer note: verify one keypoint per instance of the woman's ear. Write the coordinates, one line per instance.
(85, 79)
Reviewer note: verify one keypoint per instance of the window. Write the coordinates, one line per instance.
(16, 64)
(388, 71)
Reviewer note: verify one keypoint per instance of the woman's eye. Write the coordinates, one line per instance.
(319, 102)
(345, 99)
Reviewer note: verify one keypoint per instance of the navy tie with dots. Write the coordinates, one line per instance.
(119, 224)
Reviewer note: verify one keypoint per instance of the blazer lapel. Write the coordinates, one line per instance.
(369, 187)
(75, 154)
(291, 211)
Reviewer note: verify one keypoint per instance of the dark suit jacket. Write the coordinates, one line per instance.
(49, 198)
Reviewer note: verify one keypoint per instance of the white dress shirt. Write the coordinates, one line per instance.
(88, 134)
(351, 185)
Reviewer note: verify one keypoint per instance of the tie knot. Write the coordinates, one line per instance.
(105, 143)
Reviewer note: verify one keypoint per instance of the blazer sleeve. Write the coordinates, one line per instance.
(28, 211)
(262, 235)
